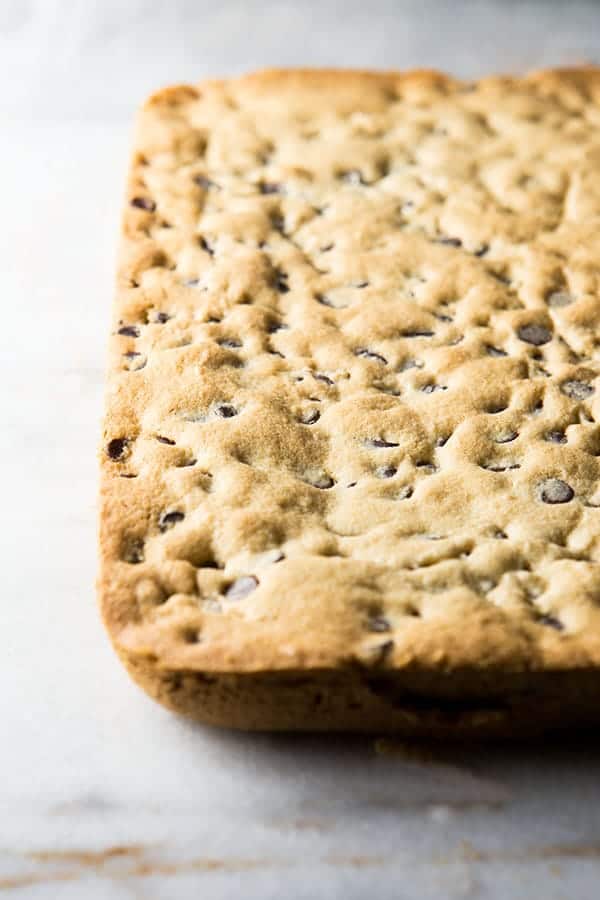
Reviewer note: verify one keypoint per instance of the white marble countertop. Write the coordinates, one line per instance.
(102, 793)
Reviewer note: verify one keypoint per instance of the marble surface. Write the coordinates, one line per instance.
(102, 793)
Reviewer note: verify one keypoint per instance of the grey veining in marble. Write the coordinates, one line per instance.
(102, 793)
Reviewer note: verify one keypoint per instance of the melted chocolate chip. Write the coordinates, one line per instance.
(229, 343)
(378, 624)
(551, 622)
(117, 447)
(370, 354)
(556, 437)
(270, 187)
(207, 246)
(481, 251)
(577, 390)
(422, 332)
(165, 440)
(534, 334)
(144, 203)
(380, 442)
(432, 388)
(133, 551)
(204, 182)
(272, 327)
(309, 416)
(449, 241)
(323, 483)
(386, 471)
(495, 351)
(501, 467)
(554, 490)
(129, 331)
(280, 282)
(168, 519)
(226, 411)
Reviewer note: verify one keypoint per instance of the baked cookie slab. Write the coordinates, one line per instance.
(351, 453)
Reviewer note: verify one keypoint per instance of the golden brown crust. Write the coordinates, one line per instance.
(353, 405)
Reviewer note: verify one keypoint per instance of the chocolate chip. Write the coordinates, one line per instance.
(129, 331)
(449, 241)
(577, 390)
(133, 551)
(495, 351)
(378, 624)
(168, 519)
(501, 467)
(241, 587)
(361, 284)
(380, 442)
(161, 318)
(165, 440)
(309, 416)
(226, 411)
(272, 327)
(481, 251)
(230, 343)
(556, 437)
(405, 493)
(559, 298)
(551, 622)
(324, 482)
(135, 361)
(554, 490)
(498, 276)
(144, 203)
(207, 246)
(386, 471)
(204, 182)
(370, 354)
(325, 301)
(281, 284)
(270, 187)
(417, 333)
(534, 334)
(117, 447)
(432, 388)
(320, 377)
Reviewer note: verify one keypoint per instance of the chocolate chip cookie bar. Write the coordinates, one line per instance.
(351, 452)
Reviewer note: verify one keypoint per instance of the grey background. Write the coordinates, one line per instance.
(103, 794)
(98, 58)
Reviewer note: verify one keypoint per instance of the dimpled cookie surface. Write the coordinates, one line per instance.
(353, 413)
